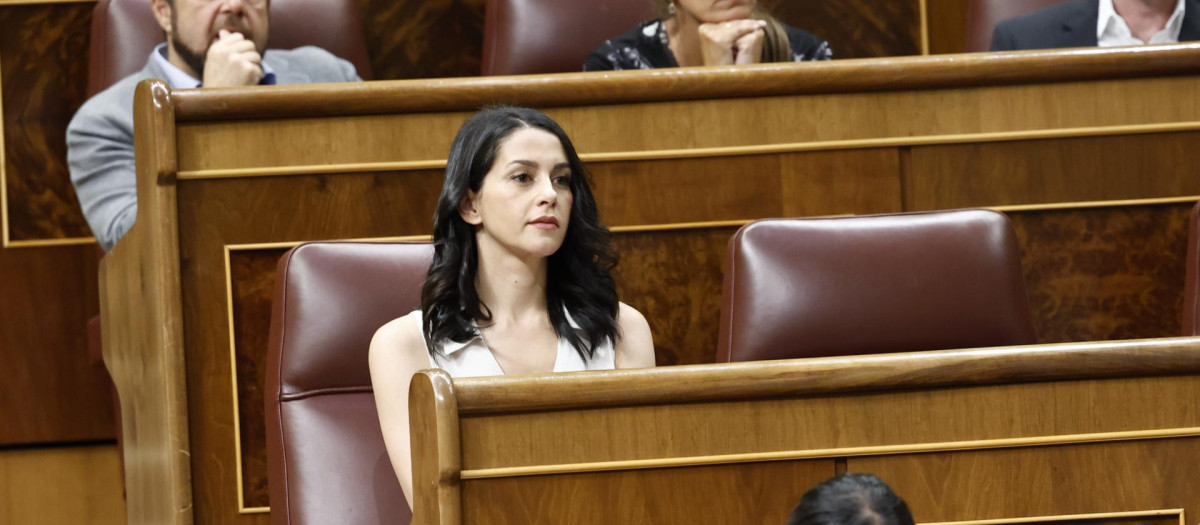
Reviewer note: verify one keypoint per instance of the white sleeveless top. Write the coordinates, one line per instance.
(474, 359)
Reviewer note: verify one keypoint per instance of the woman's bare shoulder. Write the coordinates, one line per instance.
(399, 339)
(635, 348)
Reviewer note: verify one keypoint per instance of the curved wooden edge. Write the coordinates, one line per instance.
(821, 376)
(623, 87)
(141, 312)
(436, 452)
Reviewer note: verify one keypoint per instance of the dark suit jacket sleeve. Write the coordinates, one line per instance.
(1002, 38)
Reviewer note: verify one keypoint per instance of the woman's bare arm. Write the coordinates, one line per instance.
(397, 353)
(635, 349)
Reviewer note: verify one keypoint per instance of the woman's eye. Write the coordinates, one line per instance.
(563, 180)
(521, 177)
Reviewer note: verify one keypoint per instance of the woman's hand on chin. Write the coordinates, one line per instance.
(732, 42)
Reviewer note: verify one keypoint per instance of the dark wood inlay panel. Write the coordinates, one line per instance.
(423, 38)
(1105, 273)
(53, 392)
(253, 286)
(674, 279)
(857, 28)
(43, 70)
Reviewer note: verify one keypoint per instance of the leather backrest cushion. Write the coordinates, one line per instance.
(892, 283)
(524, 37)
(337, 467)
(337, 295)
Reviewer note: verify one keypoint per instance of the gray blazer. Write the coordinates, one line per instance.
(100, 137)
(1071, 24)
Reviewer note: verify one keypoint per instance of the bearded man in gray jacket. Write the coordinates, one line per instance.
(210, 43)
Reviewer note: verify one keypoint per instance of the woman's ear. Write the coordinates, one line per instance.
(468, 210)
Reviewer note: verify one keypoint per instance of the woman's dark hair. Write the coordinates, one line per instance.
(579, 275)
(851, 499)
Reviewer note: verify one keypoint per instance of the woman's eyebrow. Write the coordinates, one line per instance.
(523, 162)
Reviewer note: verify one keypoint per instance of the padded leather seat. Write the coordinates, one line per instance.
(983, 15)
(876, 284)
(325, 452)
(523, 37)
(125, 31)
(1191, 287)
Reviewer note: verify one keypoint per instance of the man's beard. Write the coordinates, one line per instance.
(191, 58)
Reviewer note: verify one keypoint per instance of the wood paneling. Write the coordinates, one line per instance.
(1105, 273)
(373, 171)
(857, 28)
(423, 38)
(749, 494)
(1076, 441)
(141, 309)
(43, 65)
(1047, 481)
(947, 26)
(1053, 170)
(253, 285)
(54, 393)
(61, 485)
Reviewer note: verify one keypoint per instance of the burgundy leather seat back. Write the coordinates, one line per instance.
(523, 37)
(1191, 288)
(325, 453)
(875, 284)
(983, 15)
(125, 31)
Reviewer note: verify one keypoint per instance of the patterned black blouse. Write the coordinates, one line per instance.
(645, 47)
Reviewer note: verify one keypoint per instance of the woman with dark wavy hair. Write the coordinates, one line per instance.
(521, 276)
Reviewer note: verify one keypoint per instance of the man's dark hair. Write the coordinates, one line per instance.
(851, 499)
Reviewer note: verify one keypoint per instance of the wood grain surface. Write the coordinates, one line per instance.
(43, 65)
(553, 459)
(56, 393)
(574, 89)
(78, 484)
(142, 314)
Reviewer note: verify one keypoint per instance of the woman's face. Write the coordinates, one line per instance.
(524, 203)
(714, 11)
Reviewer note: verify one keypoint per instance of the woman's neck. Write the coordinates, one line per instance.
(683, 38)
(512, 287)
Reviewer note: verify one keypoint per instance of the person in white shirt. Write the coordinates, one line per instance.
(520, 281)
(1104, 23)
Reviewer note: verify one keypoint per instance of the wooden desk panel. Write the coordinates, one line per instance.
(1091, 429)
(274, 167)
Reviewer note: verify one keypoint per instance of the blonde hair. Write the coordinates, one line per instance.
(776, 45)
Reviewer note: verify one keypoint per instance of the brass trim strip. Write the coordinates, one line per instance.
(254, 510)
(43, 243)
(724, 151)
(233, 383)
(3, 169)
(1094, 204)
(756, 457)
(285, 171)
(924, 27)
(1071, 517)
